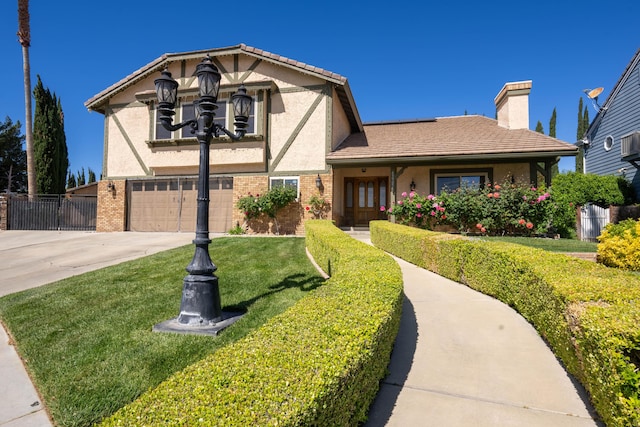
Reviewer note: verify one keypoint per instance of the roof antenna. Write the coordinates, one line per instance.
(593, 94)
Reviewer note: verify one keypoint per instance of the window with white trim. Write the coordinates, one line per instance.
(608, 143)
(286, 181)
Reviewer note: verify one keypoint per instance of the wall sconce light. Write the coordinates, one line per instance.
(412, 186)
(111, 187)
(318, 182)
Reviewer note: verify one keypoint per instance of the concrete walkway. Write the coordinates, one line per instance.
(461, 358)
(464, 359)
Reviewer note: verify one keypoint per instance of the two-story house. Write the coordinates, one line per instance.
(305, 131)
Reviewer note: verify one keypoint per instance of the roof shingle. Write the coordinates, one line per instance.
(464, 135)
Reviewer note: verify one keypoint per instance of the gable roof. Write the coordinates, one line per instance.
(449, 138)
(612, 95)
(343, 90)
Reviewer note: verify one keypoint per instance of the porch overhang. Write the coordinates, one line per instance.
(423, 160)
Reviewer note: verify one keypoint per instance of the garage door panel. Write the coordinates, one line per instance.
(171, 205)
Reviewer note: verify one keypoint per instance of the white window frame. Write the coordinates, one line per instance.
(284, 180)
(608, 143)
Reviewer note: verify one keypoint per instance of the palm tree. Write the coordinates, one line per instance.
(24, 37)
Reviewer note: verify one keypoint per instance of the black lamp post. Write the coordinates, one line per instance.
(200, 309)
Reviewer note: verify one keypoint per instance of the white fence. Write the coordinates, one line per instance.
(593, 219)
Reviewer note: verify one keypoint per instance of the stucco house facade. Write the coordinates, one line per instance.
(612, 141)
(305, 131)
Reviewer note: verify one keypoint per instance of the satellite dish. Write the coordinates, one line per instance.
(594, 93)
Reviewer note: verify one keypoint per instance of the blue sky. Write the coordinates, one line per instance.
(405, 60)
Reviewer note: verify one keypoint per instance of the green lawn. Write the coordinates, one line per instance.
(87, 340)
(552, 245)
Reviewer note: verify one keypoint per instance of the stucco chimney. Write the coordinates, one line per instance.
(512, 105)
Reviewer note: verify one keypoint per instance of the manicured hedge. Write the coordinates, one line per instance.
(317, 364)
(588, 313)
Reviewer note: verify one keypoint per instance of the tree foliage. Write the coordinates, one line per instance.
(50, 145)
(13, 159)
(539, 127)
(552, 124)
(580, 134)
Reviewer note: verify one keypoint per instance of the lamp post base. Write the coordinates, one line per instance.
(200, 311)
(213, 329)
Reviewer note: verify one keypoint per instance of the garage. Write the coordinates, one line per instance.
(170, 204)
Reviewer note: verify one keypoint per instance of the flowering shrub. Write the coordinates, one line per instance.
(492, 209)
(267, 204)
(318, 205)
(417, 210)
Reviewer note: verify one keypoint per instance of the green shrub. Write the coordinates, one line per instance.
(588, 313)
(576, 189)
(620, 246)
(317, 364)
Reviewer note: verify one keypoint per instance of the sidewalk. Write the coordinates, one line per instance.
(463, 359)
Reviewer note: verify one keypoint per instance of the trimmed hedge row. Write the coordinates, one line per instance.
(317, 364)
(589, 314)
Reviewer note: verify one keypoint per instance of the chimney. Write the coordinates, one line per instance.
(512, 105)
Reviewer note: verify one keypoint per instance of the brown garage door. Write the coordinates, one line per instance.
(171, 204)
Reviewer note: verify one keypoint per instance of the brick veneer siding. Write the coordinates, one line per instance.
(112, 206)
(3, 213)
(290, 219)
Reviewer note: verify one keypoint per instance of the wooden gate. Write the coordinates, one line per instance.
(593, 219)
(55, 212)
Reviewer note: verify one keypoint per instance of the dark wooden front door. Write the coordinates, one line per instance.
(363, 198)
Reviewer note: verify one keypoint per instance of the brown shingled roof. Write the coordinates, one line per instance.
(159, 63)
(449, 137)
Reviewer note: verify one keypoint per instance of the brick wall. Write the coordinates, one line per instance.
(112, 206)
(290, 219)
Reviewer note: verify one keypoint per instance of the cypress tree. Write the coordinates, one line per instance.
(552, 124)
(585, 121)
(579, 135)
(81, 177)
(539, 127)
(580, 130)
(49, 141)
(92, 176)
(71, 181)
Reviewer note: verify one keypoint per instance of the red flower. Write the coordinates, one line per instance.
(307, 208)
(490, 195)
(478, 225)
(496, 195)
(529, 225)
(497, 187)
(484, 230)
(521, 221)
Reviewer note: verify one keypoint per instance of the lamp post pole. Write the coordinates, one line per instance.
(200, 307)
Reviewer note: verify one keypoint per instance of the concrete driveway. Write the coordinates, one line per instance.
(33, 258)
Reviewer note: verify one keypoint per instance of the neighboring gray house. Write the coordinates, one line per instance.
(612, 142)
